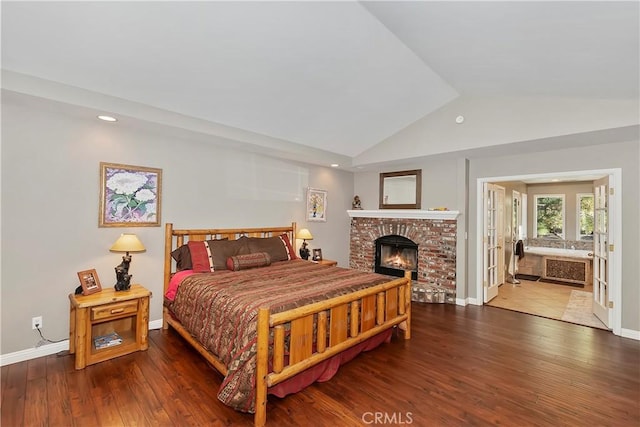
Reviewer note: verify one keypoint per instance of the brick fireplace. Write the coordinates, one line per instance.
(433, 231)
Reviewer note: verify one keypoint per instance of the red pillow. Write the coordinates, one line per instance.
(287, 243)
(201, 259)
(243, 262)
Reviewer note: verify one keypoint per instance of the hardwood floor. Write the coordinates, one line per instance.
(463, 366)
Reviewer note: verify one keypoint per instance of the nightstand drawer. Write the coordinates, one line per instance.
(114, 310)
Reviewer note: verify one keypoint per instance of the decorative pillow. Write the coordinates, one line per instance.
(211, 257)
(221, 250)
(201, 260)
(182, 257)
(278, 247)
(243, 262)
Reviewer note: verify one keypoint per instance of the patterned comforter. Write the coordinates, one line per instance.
(220, 310)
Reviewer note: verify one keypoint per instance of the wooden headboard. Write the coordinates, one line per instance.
(174, 238)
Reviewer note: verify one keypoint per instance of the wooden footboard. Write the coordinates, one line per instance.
(316, 331)
(341, 323)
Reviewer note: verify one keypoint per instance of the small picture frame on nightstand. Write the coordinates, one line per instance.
(89, 281)
(317, 255)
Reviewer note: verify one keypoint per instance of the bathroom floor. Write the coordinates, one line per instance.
(547, 300)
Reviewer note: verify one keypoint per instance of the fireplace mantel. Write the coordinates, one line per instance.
(402, 213)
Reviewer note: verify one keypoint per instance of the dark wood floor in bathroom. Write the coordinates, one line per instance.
(463, 366)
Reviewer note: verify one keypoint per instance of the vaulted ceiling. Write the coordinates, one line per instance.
(336, 76)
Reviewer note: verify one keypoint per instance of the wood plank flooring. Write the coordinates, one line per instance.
(463, 366)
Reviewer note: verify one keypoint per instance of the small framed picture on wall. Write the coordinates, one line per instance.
(316, 205)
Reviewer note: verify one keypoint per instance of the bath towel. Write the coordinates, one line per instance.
(510, 268)
(520, 249)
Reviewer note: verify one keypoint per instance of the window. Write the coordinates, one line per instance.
(549, 216)
(585, 216)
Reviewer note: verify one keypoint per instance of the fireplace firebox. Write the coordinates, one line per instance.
(395, 254)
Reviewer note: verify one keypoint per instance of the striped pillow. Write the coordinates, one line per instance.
(243, 262)
(201, 259)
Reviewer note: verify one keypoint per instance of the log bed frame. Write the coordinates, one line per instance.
(374, 310)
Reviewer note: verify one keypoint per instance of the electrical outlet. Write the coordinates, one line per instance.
(36, 322)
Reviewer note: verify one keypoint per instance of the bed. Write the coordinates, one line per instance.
(268, 321)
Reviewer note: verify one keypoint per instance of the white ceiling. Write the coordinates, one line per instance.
(338, 76)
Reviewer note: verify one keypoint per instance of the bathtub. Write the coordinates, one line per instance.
(558, 252)
(571, 266)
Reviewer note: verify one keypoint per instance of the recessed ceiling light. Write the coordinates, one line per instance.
(459, 119)
(107, 118)
(334, 165)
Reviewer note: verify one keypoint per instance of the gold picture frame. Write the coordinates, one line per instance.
(316, 205)
(130, 196)
(89, 281)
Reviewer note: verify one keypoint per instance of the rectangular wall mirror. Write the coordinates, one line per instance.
(401, 190)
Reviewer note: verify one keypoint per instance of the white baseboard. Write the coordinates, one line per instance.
(467, 301)
(33, 353)
(630, 333)
(155, 324)
(48, 349)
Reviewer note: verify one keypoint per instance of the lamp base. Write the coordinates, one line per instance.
(123, 278)
(304, 253)
(123, 286)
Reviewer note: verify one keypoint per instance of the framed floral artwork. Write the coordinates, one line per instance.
(316, 205)
(130, 196)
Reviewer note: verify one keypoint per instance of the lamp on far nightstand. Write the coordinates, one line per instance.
(305, 235)
(125, 243)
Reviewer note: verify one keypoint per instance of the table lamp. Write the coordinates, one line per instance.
(126, 243)
(305, 235)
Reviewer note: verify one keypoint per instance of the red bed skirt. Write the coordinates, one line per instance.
(325, 370)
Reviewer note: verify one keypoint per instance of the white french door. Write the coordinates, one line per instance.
(493, 240)
(601, 252)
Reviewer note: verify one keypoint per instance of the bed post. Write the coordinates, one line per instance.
(407, 302)
(293, 235)
(168, 240)
(262, 364)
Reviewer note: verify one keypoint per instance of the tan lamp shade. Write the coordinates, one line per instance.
(304, 234)
(127, 242)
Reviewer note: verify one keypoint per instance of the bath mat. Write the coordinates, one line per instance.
(560, 282)
(579, 311)
(527, 277)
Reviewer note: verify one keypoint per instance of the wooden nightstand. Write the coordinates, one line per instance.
(328, 262)
(91, 316)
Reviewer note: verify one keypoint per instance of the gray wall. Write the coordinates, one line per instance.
(50, 187)
(442, 186)
(622, 155)
(439, 179)
(50, 190)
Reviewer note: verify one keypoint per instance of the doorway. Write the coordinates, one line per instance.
(518, 293)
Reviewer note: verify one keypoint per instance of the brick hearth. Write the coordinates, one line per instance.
(436, 239)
